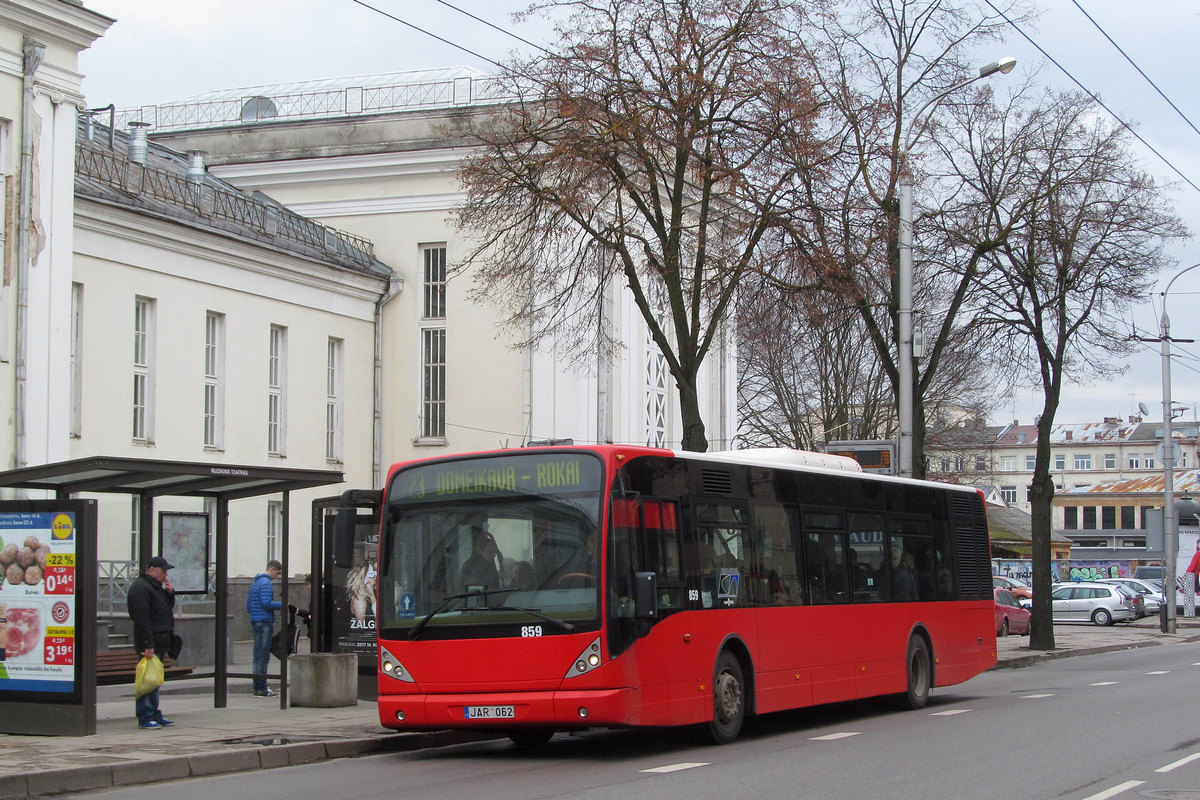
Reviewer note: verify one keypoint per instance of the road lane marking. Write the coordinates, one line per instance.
(1160, 672)
(677, 767)
(1114, 791)
(1036, 696)
(950, 713)
(1105, 683)
(1178, 763)
(829, 737)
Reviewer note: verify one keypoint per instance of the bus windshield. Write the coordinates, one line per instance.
(508, 539)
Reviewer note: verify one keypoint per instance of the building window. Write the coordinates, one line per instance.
(1128, 514)
(214, 380)
(277, 391)
(274, 528)
(1071, 518)
(1060, 463)
(1030, 463)
(1008, 463)
(1089, 518)
(433, 402)
(1133, 543)
(1110, 460)
(1148, 460)
(1182, 459)
(435, 282)
(1108, 517)
(656, 398)
(945, 465)
(1083, 461)
(981, 463)
(1134, 461)
(1143, 511)
(1008, 494)
(143, 370)
(77, 360)
(333, 399)
(960, 464)
(433, 344)
(1089, 543)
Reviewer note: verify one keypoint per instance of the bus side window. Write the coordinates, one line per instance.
(776, 578)
(661, 529)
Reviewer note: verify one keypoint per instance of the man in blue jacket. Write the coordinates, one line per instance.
(261, 605)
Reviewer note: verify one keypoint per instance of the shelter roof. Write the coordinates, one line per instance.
(154, 478)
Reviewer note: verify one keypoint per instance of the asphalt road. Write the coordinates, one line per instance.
(1122, 724)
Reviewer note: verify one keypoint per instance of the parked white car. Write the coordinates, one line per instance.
(1098, 603)
(1150, 592)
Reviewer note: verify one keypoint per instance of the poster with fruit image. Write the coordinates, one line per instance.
(37, 601)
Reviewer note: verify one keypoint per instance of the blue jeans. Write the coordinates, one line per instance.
(147, 708)
(262, 653)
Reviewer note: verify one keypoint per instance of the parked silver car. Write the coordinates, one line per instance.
(1151, 592)
(1099, 603)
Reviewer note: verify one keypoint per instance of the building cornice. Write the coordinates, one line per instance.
(55, 22)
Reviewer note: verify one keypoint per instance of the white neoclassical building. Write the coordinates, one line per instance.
(378, 156)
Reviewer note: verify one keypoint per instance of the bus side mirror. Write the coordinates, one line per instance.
(343, 536)
(645, 595)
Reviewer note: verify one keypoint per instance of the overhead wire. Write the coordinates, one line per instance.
(1133, 64)
(1095, 97)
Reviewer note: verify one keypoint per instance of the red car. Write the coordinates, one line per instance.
(1011, 616)
(1020, 589)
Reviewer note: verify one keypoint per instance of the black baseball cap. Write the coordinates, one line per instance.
(159, 561)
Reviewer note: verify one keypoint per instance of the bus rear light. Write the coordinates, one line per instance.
(390, 665)
(588, 660)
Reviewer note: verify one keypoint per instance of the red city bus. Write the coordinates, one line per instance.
(537, 590)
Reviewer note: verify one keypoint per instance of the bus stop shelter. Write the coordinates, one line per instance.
(149, 479)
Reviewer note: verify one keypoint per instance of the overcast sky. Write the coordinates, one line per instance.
(162, 51)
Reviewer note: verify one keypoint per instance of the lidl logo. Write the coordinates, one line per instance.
(63, 527)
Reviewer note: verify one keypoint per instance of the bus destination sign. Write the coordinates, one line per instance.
(534, 474)
(877, 457)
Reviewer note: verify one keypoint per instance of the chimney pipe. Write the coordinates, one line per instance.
(195, 172)
(137, 142)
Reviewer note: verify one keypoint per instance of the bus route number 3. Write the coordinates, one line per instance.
(531, 630)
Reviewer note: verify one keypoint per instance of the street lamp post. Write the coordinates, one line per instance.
(905, 275)
(1168, 622)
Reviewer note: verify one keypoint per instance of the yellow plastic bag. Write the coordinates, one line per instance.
(149, 676)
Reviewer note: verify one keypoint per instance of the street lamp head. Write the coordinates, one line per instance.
(1003, 66)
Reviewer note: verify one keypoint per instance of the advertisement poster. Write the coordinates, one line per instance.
(183, 541)
(37, 601)
(353, 617)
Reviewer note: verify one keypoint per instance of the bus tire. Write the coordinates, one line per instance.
(531, 737)
(729, 700)
(919, 673)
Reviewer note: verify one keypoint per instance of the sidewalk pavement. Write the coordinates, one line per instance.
(254, 733)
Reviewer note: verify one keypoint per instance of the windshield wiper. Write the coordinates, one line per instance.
(533, 612)
(446, 603)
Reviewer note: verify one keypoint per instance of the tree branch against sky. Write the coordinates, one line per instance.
(654, 145)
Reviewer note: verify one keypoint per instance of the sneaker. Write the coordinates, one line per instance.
(166, 723)
(150, 724)
(267, 693)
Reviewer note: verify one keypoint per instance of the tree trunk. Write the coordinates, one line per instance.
(689, 410)
(1042, 493)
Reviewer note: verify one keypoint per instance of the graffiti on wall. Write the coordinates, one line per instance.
(1022, 570)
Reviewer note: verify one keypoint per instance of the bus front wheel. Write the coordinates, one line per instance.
(729, 700)
(920, 674)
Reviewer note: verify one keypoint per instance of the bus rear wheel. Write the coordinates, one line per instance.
(920, 675)
(531, 737)
(729, 700)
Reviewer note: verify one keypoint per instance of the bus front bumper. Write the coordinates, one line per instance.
(498, 710)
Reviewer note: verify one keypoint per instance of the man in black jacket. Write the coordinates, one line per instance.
(151, 599)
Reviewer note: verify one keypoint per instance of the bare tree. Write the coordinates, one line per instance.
(878, 63)
(806, 372)
(1090, 236)
(654, 146)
